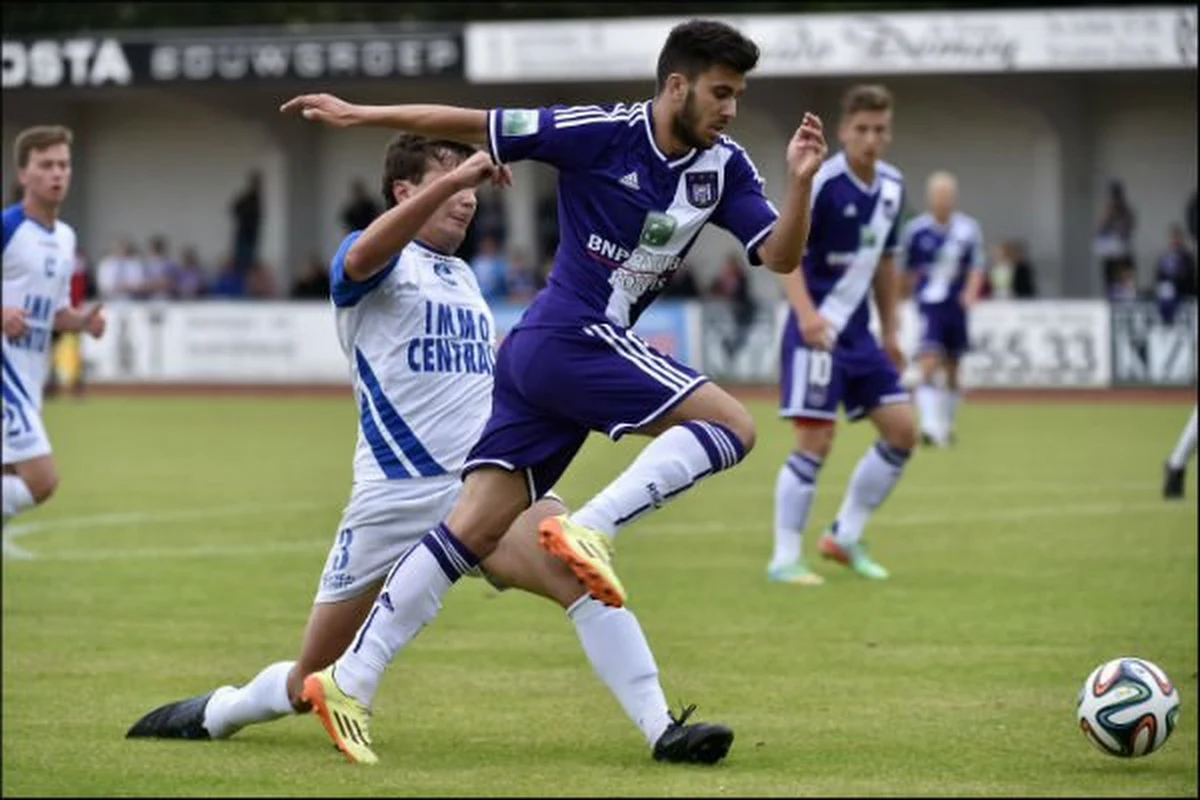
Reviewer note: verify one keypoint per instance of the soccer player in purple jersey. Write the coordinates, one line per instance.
(829, 356)
(944, 266)
(637, 182)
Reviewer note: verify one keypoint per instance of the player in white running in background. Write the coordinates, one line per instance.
(39, 257)
(944, 265)
(420, 340)
(1176, 467)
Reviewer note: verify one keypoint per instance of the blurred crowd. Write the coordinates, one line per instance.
(509, 272)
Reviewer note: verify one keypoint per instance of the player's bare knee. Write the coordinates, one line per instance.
(42, 482)
(901, 430)
(815, 437)
(738, 420)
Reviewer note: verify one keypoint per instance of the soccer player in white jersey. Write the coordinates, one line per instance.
(828, 356)
(636, 183)
(39, 257)
(944, 266)
(1175, 470)
(419, 338)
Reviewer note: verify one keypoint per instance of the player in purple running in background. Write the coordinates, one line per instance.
(829, 356)
(944, 268)
(636, 183)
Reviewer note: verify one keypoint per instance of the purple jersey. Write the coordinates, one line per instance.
(627, 214)
(852, 227)
(941, 256)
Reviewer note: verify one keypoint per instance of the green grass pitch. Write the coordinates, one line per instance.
(183, 548)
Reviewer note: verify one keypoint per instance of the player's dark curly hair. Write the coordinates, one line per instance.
(700, 44)
(408, 158)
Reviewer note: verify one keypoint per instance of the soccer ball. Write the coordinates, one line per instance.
(1127, 707)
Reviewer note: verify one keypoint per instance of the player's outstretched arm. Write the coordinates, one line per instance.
(781, 250)
(391, 231)
(466, 125)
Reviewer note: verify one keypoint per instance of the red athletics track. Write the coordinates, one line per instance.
(757, 391)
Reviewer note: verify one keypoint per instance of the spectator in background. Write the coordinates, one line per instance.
(522, 278)
(1010, 275)
(247, 223)
(160, 269)
(1113, 243)
(313, 283)
(1175, 274)
(490, 268)
(230, 284)
(360, 210)
(1189, 214)
(733, 285)
(260, 282)
(682, 284)
(1124, 288)
(189, 279)
(121, 275)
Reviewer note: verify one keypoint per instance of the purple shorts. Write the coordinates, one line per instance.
(812, 383)
(555, 385)
(944, 330)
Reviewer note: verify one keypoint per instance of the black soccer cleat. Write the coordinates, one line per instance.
(183, 719)
(1172, 482)
(698, 743)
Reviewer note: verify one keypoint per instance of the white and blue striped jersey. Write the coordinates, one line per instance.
(38, 263)
(941, 256)
(420, 341)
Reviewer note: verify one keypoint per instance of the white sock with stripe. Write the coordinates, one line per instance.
(614, 642)
(670, 464)
(873, 480)
(795, 487)
(1184, 447)
(17, 496)
(410, 598)
(930, 410)
(263, 699)
(952, 399)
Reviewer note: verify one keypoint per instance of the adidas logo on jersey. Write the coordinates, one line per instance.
(630, 181)
(851, 210)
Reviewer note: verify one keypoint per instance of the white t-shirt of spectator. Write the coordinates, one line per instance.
(120, 278)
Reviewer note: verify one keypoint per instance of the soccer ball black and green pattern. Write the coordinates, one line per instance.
(1128, 707)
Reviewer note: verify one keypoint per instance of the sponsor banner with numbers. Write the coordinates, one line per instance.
(1013, 344)
(1148, 350)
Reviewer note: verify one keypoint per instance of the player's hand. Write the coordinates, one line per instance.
(14, 322)
(967, 300)
(817, 332)
(480, 168)
(807, 149)
(94, 321)
(326, 108)
(891, 346)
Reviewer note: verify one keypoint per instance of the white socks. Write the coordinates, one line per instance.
(614, 642)
(670, 464)
(17, 496)
(411, 597)
(794, 490)
(937, 410)
(1178, 460)
(877, 472)
(261, 700)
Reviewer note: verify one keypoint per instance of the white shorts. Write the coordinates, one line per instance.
(24, 434)
(382, 521)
